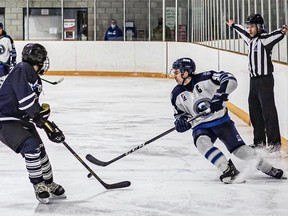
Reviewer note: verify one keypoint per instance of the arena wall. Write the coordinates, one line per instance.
(154, 59)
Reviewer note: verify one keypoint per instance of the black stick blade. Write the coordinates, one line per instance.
(95, 161)
(118, 185)
(53, 83)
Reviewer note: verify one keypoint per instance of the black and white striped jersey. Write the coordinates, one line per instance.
(260, 50)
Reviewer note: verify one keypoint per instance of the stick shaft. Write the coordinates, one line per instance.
(142, 145)
(92, 159)
(107, 186)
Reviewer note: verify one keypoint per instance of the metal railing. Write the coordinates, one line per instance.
(209, 26)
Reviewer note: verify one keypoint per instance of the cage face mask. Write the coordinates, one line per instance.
(44, 68)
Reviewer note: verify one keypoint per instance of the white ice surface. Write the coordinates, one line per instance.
(107, 117)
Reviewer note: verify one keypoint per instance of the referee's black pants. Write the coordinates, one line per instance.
(262, 110)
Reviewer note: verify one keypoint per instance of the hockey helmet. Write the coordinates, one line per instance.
(36, 54)
(185, 64)
(255, 19)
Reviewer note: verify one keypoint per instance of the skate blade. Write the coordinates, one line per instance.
(235, 182)
(54, 197)
(43, 200)
(238, 180)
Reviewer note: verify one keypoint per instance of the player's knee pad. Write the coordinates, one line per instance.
(30, 145)
(203, 144)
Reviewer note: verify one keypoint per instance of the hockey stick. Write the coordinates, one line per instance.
(94, 160)
(107, 186)
(53, 83)
(50, 82)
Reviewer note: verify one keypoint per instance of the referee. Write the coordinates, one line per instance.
(262, 109)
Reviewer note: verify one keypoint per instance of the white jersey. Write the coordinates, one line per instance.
(188, 99)
(5, 49)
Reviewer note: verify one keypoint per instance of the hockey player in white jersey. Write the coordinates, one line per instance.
(209, 90)
(7, 52)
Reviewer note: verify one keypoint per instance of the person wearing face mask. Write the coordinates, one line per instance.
(114, 32)
(158, 31)
(262, 109)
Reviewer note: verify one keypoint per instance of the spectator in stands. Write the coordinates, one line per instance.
(114, 32)
(158, 31)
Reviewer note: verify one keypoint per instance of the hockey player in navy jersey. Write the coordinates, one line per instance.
(196, 93)
(20, 111)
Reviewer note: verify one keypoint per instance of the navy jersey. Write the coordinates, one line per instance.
(19, 93)
(188, 99)
(114, 34)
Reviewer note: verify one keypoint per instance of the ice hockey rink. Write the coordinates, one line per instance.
(107, 117)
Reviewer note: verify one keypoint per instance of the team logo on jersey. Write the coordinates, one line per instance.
(201, 105)
(2, 49)
(183, 97)
(37, 88)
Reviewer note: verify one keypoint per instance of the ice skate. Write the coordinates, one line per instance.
(230, 174)
(56, 190)
(276, 173)
(41, 192)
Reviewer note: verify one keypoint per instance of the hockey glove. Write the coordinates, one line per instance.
(217, 101)
(181, 124)
(53, 132)
(42, 116)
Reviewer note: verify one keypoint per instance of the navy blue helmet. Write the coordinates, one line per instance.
(185, 64)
